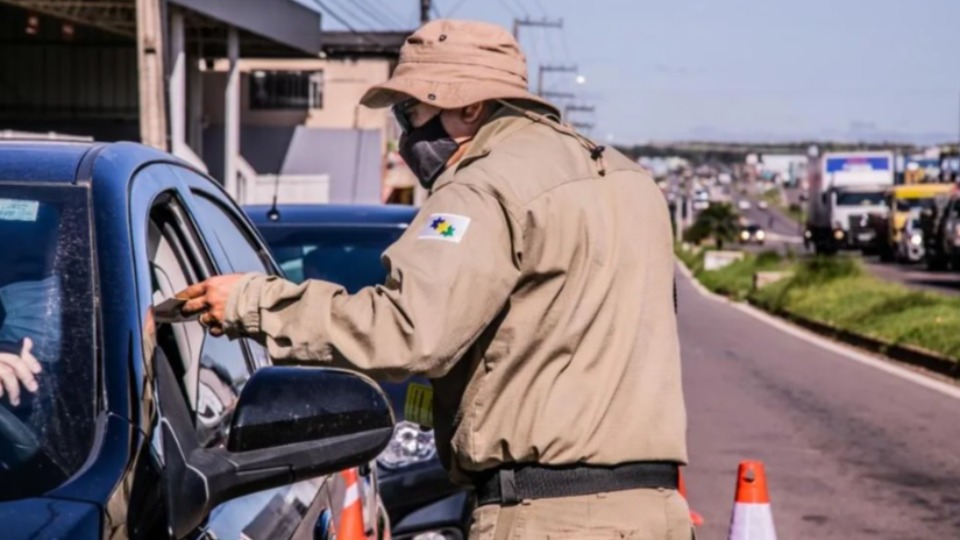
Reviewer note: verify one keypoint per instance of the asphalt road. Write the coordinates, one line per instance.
(851, 451)
(915, 276)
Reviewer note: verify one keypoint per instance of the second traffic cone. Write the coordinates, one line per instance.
(351, 516)
(695, 517)
(752, 516)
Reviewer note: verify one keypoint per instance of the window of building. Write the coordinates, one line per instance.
(286, 90)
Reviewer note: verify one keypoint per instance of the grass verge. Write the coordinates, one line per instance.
(837, 292)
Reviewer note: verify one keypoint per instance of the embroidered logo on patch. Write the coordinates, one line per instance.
(449, 227)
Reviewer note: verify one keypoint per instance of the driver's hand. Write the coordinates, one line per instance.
(18, 369)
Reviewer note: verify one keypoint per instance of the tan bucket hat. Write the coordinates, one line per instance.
(451, 64)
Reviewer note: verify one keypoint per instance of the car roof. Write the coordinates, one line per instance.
(60, 161)
(332, 214)
(41, 161)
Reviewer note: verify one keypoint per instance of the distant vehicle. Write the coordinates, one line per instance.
(744, 204)
(904, 202)
(844, 187)
(343, 244)
(701, 199)
(941, 227)
(910, 248)
(762, 204)
(752, 234)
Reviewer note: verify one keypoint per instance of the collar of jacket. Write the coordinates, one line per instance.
(504, 122)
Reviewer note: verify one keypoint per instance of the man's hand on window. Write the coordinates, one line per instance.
(209, 298)
(18, 370)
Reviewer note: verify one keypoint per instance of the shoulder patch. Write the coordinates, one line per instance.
(447, 227)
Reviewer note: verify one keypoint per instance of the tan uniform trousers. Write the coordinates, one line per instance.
(642, 514)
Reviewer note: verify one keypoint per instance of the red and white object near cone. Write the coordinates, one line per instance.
(351, 517)
(695, 517)
(752, 515)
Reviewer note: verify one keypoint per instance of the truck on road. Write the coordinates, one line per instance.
(845, 190)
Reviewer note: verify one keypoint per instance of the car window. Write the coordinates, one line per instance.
(241, 250)
(212, 370)
(47, 297)
(348, 256)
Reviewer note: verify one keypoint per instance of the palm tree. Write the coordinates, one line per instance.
(720, 222)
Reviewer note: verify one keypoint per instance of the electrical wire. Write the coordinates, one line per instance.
(539, 4)
(507, 7)
(523, 8)
(337, 17)
(386, 8)
(383, 16)
(456, 8)
(360, 16)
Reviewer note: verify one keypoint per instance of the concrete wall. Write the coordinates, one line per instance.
(344, 83)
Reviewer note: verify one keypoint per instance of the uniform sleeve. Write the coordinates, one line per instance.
(449, 276)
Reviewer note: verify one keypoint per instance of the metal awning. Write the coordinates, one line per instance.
(264, 24)
(268, 28)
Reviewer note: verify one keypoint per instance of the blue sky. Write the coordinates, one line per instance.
(740, 69)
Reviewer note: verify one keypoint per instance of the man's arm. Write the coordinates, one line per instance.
(449, 276)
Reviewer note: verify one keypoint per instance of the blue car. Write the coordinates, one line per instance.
(343, 244)
(120, 419)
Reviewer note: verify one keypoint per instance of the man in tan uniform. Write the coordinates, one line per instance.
(535, 288)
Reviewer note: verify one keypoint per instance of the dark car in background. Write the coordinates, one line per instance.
(143, 425)
(752, 233)
(343, 244)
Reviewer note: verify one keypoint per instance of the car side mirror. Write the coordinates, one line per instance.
(289, 424)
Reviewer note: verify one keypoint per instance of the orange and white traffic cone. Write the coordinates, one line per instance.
(351, 517)
(752, 516)
(695, 517)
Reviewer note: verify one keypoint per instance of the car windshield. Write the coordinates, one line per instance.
(860, 198)
(343, 254)
(906, 205)
(47, 322)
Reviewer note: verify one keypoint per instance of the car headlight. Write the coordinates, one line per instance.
(838, 234)
(745, 235)
(761, 235)
(410, 444)
(916, 239)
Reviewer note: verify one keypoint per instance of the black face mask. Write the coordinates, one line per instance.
(426, 150)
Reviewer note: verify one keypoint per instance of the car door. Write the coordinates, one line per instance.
(304, 508)
(209, 372)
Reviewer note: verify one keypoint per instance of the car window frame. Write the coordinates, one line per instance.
(146, 193)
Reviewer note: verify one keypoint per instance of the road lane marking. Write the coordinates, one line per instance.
(887, 366)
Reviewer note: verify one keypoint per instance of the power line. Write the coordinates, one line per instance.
(363, 16)
(523, 8)
(543, 10)
(383, 16)
(336, 16)
(456, 8)
(394, 15)
(508, 8)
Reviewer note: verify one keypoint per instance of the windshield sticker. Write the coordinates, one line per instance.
(449, 227)
(17, 210)
(418, 407)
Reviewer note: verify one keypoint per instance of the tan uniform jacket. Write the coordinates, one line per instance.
(545, 317)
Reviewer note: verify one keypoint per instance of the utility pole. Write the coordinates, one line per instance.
(552, 69)
(527, 21)
(150, 83)
(424, 11)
